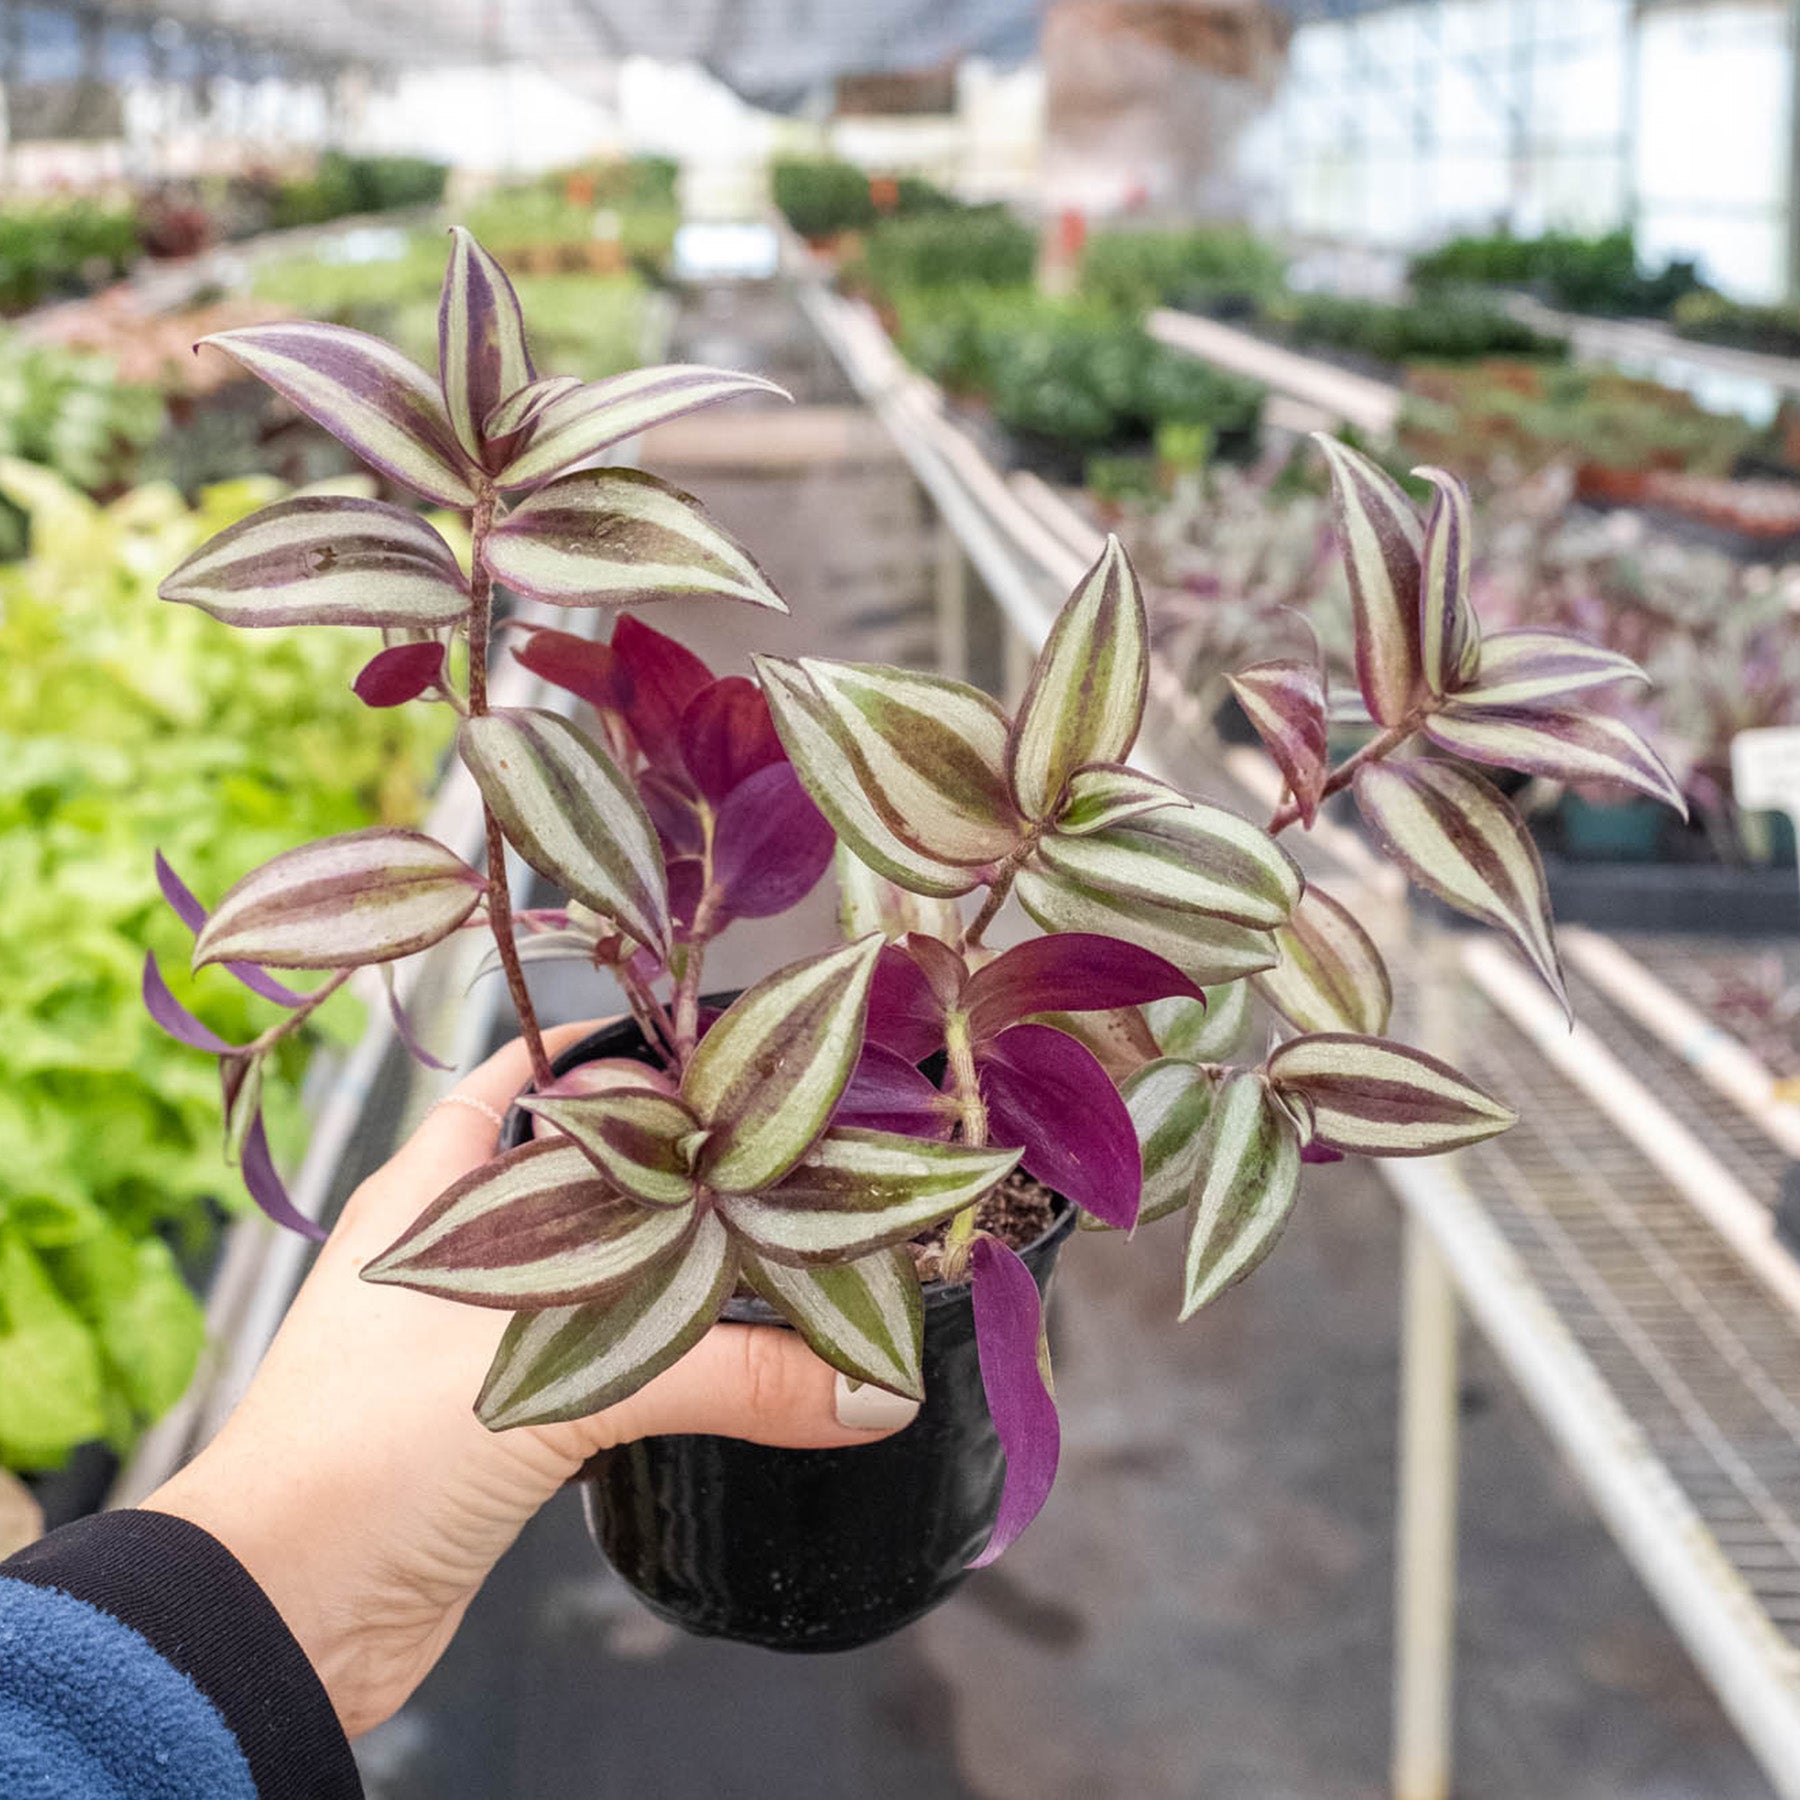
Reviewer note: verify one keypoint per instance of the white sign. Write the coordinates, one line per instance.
(1765, 770)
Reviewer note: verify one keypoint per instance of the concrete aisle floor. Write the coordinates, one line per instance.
(1203, 1611)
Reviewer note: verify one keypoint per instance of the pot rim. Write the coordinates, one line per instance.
(751, 1309)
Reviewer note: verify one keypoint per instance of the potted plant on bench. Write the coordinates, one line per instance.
(885, 1144)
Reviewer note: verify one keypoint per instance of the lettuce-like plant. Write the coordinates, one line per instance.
(803, 1142)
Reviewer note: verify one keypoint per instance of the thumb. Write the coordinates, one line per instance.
(761, 1383)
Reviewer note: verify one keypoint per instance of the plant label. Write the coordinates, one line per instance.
(1765, 770)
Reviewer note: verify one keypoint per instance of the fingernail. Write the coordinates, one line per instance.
(862, 1406)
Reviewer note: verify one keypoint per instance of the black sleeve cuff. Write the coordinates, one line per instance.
(197, 1606)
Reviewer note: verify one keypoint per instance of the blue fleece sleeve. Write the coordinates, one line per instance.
(140, 1661)
(88, 1711)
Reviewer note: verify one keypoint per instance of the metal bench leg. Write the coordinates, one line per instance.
(1425, 1561)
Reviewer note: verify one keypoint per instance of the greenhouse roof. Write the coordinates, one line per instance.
(773, 52)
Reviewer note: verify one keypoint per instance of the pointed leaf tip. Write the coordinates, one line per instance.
(1085, 699)
(1380, 538)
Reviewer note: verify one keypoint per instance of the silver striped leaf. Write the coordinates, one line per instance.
(566, 807)
(362, 897)
(568, 1362)
(324, 559)
(865, 1317)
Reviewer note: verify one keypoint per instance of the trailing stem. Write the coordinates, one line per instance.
(959, 1239)
(499, 898)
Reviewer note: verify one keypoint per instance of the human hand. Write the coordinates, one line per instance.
(354, 1482)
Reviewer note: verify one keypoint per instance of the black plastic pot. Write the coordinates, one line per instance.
(807, 1550)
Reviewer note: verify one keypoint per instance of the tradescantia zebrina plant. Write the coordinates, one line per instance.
(844, 1121)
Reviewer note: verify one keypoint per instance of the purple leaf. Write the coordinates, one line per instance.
(193, 915)
(1316, 1152)
(399, 673)
(403, 1028)
(1049, 1093)
(1009, 1337)
(179, 895)
(946, 971)
(886, 1093)
(675, 812)
(661, 678)
(1072, 971)
(687, 882)
(266, 1187)
(771, 844)
(577, 664)
(727, 735)
(175, 1018)
(367, 395)
(904, 1013)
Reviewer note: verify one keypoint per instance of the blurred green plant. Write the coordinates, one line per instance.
(820, 197)
(1600, 274)
(1202, 267)
(129, 726)
(59, 247)
(1448, 328)
(69, 412)
(1068, 371)
(342, 185)
(968, 247)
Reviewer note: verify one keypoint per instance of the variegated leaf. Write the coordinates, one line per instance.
(1103, 794)
(1449, 635)
(643, 1142)
(1206, 948)
(1371, 1097)
(1118, 1038)
(765, 1078)
(871, 902)
(324, 559)
(1459, 838)
(1085, 698)
(524, 404)
(367, 395)
(1196, 858)
(928, 755)
(534, 1227)
(569, 1361)
(1561, 745)
(1285, 701)
(1208, 1033)
(808, 734)
(599, 414)
(364, 897)
(865, 1317)
(482, 356)
(1533, 667)
(619, 537)
(1379, 533)
(858, 1191)
(1169, 1102)
(574, 817)
(1252, 1162)
(1331, 976)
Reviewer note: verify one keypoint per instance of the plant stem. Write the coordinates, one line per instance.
(959, 1239)
(998, 888)
(1341, 777)
(499, 898)
(292, 1021)
(687, 989)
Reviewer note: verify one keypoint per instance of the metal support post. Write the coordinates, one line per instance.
(952, 601)
(1425, 1559)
